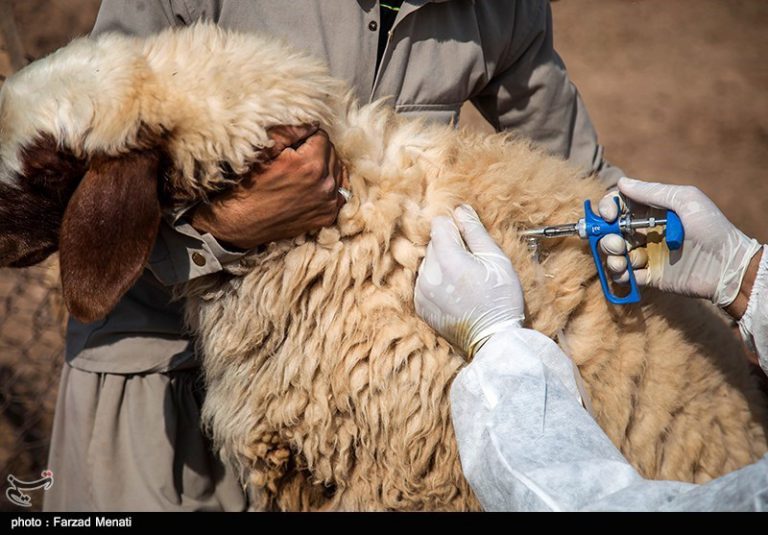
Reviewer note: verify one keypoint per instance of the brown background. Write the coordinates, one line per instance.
(678, 91)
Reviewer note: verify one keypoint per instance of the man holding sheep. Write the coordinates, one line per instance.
(131, 389)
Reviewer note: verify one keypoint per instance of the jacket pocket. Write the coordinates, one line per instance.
(434, 113)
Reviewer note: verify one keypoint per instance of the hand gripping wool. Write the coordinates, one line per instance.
(323, 384)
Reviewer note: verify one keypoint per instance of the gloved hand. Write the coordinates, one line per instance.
(714, 256)
(467, 293)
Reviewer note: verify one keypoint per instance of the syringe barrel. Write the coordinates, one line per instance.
(628, 223)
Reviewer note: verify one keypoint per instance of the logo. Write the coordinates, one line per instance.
(15, 493)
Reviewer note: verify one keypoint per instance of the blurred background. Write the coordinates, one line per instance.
(678, 92)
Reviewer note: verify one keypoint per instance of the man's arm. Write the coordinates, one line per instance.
(530, 92)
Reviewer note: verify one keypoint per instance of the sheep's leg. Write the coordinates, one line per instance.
(10, 35)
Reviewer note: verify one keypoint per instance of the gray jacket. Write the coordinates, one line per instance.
(441, 53)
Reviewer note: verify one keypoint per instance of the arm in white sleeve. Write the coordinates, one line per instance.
(754, 323)
(526, 444)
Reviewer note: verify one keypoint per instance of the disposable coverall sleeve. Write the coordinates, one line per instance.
(754, 323)
(526, 444)
(181, 253)
(530, 92)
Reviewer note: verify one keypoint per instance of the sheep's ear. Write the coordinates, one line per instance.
(108, 232)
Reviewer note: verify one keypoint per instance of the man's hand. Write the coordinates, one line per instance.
(294, 192)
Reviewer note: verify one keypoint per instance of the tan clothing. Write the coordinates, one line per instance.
(133, 443)
(441, 53)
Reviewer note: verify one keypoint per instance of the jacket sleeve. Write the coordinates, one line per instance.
(529, 90)
(181, 253)
(754, 323)
(526, 444)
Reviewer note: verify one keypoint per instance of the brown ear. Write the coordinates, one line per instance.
(108, 231)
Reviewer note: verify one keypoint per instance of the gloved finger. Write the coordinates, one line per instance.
(613, 244)
(621, 278)
(446, 239)
(617, 265)
(429, 274)
(607, 207)
(428, 256)
(650, 193)
(474, 233)
(641, 276)
(424, 291)
(638, 258)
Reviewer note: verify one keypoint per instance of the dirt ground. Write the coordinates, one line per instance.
(678, 92)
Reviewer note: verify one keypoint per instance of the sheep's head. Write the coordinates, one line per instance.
(99, 209)
(94, 135)
(102, 213)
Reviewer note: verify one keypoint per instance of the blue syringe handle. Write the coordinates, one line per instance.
(674, 234)
(597, 228)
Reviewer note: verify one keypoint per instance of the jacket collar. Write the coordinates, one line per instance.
(409, 6)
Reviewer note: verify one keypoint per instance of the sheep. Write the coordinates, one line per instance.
(323, 385)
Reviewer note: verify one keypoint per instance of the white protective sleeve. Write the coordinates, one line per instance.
(754, 323)
(526, 444)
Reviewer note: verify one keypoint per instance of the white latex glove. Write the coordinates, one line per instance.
(467, 292)
(714, 256)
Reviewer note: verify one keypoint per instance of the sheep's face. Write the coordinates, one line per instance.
(79, 174)
(33, 200)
